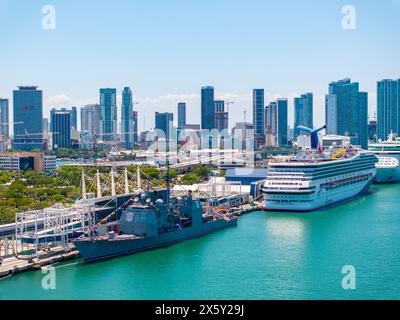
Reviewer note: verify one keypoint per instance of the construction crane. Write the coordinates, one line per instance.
(228, 103)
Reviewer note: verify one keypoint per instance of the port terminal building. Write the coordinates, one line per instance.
(17, 161)
(253, 178)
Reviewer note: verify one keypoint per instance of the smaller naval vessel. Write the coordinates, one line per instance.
(153, 219)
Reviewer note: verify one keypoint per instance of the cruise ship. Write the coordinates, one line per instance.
(388, 167)
(319, 177)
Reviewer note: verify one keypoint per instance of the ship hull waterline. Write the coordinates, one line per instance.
(95, 250)
(323, 201)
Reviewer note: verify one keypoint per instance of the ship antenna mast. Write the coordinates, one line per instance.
(168, 175)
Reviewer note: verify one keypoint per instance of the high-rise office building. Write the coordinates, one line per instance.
(135, 127)
(207, 108)
(90, 121)
(221, 121)
(126, 118)
(271, 118)
(181, 115)
(108, 114)
(219, 106)
(4, 118)
(46, 125)
(363, 119)
(221, 118)
(388, 108)
(372, 130)
(347, 111)
(61, 126)
(276, 114)
(28, 115)
(164, 122)
(303, 112)
(282, 122)
(259, 116)
(74, 118)
(243, 136)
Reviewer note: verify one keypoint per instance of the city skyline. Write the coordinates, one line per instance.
(343, 98)
(165, 64)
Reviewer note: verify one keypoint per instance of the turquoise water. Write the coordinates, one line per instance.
(268, 256)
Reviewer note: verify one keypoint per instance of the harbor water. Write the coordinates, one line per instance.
(268, 256)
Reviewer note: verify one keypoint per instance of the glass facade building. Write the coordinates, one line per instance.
(90, 121)
(388, 107)
(4, 118)
(164, 122)
(74, 118)
(60, 126)
(347, 111)
(271, 118)
(135, 115)
(108, 114)
(127, 118)
(28, 116)
(221, 118)
(207, 108)
(181, 115)
(221, 121)
(259, 116)
(282, 122)
(219, 106)
(303, 112)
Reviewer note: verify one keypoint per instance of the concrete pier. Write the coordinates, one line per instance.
(18, 264)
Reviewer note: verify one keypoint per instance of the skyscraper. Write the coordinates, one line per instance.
(221, 118)
(127, 118)
(28, 115)
(90, 120)
(181, 114)
(276, 114)
(108, 114)
(259, 116)
(271, 113)
(303, 112)
(207, 108)
(219, 106)
(164, 123)
(388, 108)
(347, 111)
(45, 125)
(221, 121)
(61, 125)
(135, 127)
(4, 118)
(363, 119)
(74, 118)
(282, 122)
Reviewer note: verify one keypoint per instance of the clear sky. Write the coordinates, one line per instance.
(165, 50)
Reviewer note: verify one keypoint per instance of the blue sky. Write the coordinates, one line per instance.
(165, 50)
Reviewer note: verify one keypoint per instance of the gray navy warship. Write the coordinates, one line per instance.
(151, 220)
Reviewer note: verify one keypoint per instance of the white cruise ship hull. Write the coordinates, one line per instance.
(298, 185)
(319, 200)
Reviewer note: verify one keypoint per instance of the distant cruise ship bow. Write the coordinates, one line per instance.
(388, 152)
